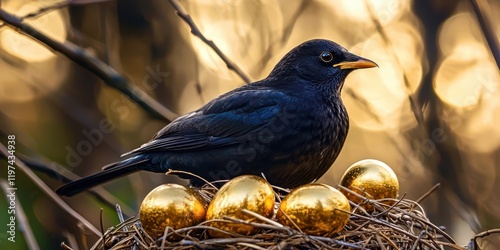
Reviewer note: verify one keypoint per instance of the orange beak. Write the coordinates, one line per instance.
(355, 62)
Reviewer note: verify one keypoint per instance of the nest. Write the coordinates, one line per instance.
(402, 225)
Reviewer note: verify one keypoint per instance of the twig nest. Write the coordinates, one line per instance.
(171, 205)
(315, 209)
(404, 226)
(244, 192)
(372, 179)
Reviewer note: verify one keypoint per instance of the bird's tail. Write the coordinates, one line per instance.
(108, 173)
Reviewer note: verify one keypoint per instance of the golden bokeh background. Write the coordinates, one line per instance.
(431, 110)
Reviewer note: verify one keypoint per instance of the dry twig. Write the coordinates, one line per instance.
(402, 225)
(37, 181)
(196, 32)
(90, 62)
(481, 9)
(417, 112)
(56, 171)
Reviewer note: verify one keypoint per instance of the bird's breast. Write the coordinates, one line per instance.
(308, 152)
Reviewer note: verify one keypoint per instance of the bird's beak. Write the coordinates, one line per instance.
(355, 62)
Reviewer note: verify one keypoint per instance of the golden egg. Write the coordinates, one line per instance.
(171, 205)
(315, 209)
(244, 192)
(372, 179)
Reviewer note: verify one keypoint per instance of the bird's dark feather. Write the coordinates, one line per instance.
(289, 126)
(222, 122)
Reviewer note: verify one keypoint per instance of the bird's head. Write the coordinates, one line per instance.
(322, 63)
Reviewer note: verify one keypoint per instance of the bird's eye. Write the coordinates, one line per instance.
(326, 56)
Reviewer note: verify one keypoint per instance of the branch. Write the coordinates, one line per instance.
(78, 55)
(41, 11)
(50, 193)
(60, 173)
(486, 23)
(196, 32)
(417, 112)
(56, 6)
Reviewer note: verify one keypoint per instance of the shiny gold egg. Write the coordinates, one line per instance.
(171, 205)
(372, 179)
(315, 209)
(244, 192)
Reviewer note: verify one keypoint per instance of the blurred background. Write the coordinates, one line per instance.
(431, 111)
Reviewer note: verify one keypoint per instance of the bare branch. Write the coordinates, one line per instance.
(88, 61)
(60, 173)
(486, 23)
(417, 112)
(196, 32)
(51, 193)
(56, 6)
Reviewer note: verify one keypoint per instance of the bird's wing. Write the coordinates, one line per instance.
(225, 121)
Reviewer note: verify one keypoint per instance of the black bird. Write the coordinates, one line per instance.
(289, 126)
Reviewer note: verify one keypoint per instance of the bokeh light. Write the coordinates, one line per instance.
(29, 69)
(356, 10)
(237, 28)
(383, 90)
(467, 76)
(51, 24)
(480, 131)
(468, 81)
(467, 73)
(459, 29)
(457, 92)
